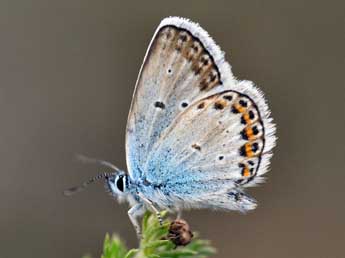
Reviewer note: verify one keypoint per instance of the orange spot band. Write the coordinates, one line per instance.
(248, 150)
(246, 118)
(240, 108)
(246, 172)
(249, 133)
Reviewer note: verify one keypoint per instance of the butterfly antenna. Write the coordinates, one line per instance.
(80, 188)
(85, 159)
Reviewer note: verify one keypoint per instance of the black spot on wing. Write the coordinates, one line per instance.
(255, 130)
(227, 97)
(201, 105)
(255, 146)
(243, 151)
(251, 115)
(234, 110)
(159, 104)
(184, 104)
(244, 134)
(196, 146)
(218, 106)
(243, 103)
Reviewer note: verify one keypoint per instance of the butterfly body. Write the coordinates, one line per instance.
(196, 136)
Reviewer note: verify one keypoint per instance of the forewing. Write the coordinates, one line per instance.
(182, 65)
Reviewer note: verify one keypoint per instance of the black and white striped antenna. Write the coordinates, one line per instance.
(105, 175)
(77, 189)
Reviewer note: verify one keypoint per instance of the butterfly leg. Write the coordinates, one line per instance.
(179, 214)
(150, 204)
(133, 213)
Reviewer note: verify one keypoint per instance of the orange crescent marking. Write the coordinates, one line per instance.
(248, 149)
(246, 118)
(249, 133)
(240, 108)
(246, 172)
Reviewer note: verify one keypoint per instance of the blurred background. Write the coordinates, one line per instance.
(67, 74)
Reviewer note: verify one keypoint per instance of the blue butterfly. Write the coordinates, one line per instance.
(196, 136)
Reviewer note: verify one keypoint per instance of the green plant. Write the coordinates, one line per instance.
(154, 244)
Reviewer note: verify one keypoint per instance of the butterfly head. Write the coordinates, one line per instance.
(117, 184)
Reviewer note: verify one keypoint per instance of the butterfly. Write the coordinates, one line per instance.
(196, 136)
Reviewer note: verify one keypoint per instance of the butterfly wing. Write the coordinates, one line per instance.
(177, 70)
(215, 145)
(194, 131)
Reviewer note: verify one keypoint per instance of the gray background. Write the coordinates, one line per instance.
(67, 73)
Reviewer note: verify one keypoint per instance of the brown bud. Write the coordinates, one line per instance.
(180, 233)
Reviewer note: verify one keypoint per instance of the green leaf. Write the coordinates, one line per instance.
(131, 253)
(154, 243)
(113, 247)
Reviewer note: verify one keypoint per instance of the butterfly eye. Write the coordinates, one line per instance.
(120, 183)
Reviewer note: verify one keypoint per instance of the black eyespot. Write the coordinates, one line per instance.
(255, 146)
(243, 103)
(251, 114)
(169, 71)
(159, 104)
(201, 105)
(218, 106)
(241, 165)
(184, 104)
(119, 183)
(227, 97)
(234, 110)
(255, 130)
(244, 134)
(243, 151)
(221, 157)
(196, 146)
